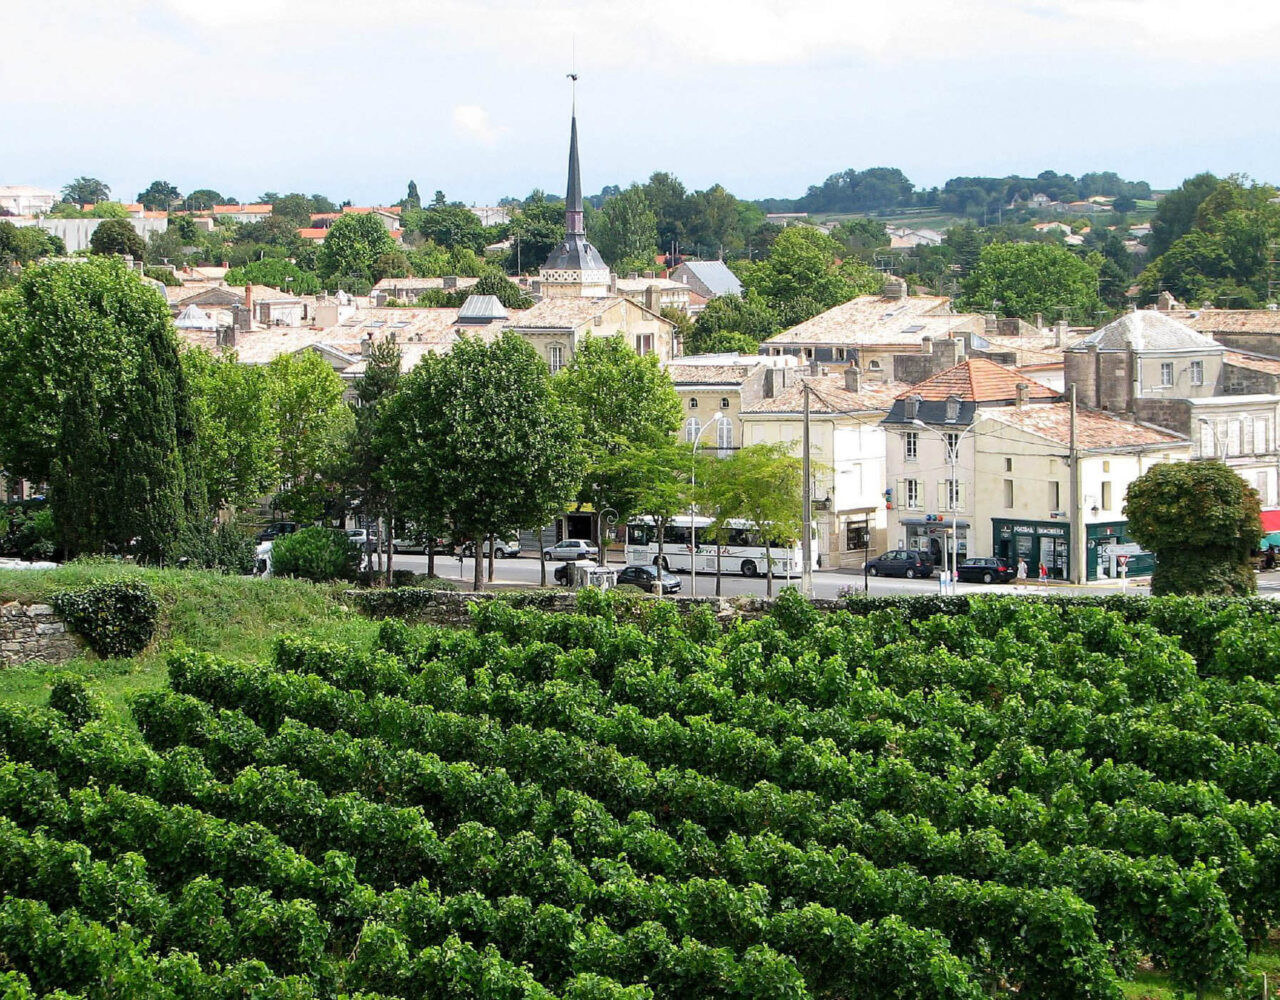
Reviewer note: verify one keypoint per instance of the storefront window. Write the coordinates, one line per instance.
(856, 536)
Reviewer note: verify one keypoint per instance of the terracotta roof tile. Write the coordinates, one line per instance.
(830, 396)
(708, 374)
(877, 319)
(978, 381)
(1096, 430)
(1253, 362)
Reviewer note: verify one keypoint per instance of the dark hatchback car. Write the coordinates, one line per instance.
(277, 528)
(982, 569)
(647, 578)
(901, 562)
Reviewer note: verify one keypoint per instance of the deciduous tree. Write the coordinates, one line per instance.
(352, 247)
(117, 236)
(1023, 279)
(1202, 522)
(625, 230)
(482, 443)
(159, 196)
(305, 395)
(85, 191)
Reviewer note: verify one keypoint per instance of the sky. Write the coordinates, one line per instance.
(353, 99)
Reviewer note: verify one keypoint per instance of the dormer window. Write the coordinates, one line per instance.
(953, 409)
(912, 407)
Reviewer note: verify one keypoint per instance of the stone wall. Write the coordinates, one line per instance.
(32, 633)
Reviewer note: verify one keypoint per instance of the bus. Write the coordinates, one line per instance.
(742, 551)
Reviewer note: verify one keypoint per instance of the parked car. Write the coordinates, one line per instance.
(647, 578)
(363, 537)
(419, 545)
(901, 562)
(571, 548)
(986, 570)
(277, 528)
(509, 549)
(561, 573)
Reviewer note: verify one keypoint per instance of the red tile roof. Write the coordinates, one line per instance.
(313, 234)
(979, 381)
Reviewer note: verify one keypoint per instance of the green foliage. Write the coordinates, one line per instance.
(227, 547)
(317, 554)
(99, 406)
(277, 272)
(1176, 211)
(626, 229)
(447, 225)
(86, 190)
(28, 530)
(117, 236)
(1202, 522)
(803, 271)
(72, 698)
(733, 320)
(116, 619)
(1030, 278)
(24, 244)
(159, 196)
(352, 247)
(480, 442)
(304, 395)
(507, 291)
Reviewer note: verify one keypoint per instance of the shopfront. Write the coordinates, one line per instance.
(1108, 549)
(928, 533)
(1034, 542)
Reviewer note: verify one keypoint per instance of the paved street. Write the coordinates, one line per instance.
(826, 583)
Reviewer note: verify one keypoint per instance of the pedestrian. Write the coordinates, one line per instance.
(1022, 571)
(1044, 573)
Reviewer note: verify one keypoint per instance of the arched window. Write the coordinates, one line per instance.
(724, 435)
(724, 402)
(693, 404)
(691, 429)
(873, 365)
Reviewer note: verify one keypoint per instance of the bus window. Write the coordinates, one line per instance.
(639, 534)
(675, 535)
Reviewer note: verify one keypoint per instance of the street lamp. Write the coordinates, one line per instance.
(719, 419)
(953, 456)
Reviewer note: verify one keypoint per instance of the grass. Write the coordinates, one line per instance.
(231, 616)
(1154, 985)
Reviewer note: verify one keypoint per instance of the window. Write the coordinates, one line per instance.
(1055, 495)
(1106, 466)
(1008, 494)
(954, 493)
(911, 446)
(808, 353)
(953, 443)
(691, 429)
(873, 366)
(1233, 437)
(856, 536)
(912, 407)
(838, 354)
(1008, 465)
(555, 358)
(1197, 373)
(953, 409)
(644, 343)
(1106, 495)
(1166, 373)
(693, 404)
(1264, 489)
(1260, 435)
(724, 402)
(911, 494)
(724, 434)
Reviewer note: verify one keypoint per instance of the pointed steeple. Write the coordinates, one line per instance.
(573, 194)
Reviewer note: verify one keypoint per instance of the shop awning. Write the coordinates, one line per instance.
(944, 523)
(1270, 521)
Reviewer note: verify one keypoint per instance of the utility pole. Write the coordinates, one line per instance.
(806, 532)
(1075, 521)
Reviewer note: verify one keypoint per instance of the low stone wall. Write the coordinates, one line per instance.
(33, 633)
(450, 608)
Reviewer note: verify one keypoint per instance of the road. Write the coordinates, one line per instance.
(826, 583)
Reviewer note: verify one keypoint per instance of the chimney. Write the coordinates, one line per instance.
(895, 288)
(648, 274)
(1060, 329)
(248, 299)
(853, 378)
(226, 336)
(926, 345)
(1022, 390)
(989, 324)
(653, 299)
(449, 282)
(815, 369)
(366, 345)
(613, 283)
(1039, 321)
(240, 319)
(632, 275)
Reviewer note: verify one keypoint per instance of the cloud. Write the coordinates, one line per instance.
(472, 121)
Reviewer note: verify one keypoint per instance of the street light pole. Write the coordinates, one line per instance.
(953, 458)
(693, 488)
(806, 514)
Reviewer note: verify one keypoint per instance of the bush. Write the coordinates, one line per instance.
(27, 530)
(116, 619)
(318, 554)
(228, 548)
(75, 701)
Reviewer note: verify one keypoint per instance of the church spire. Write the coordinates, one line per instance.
(573, 194)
